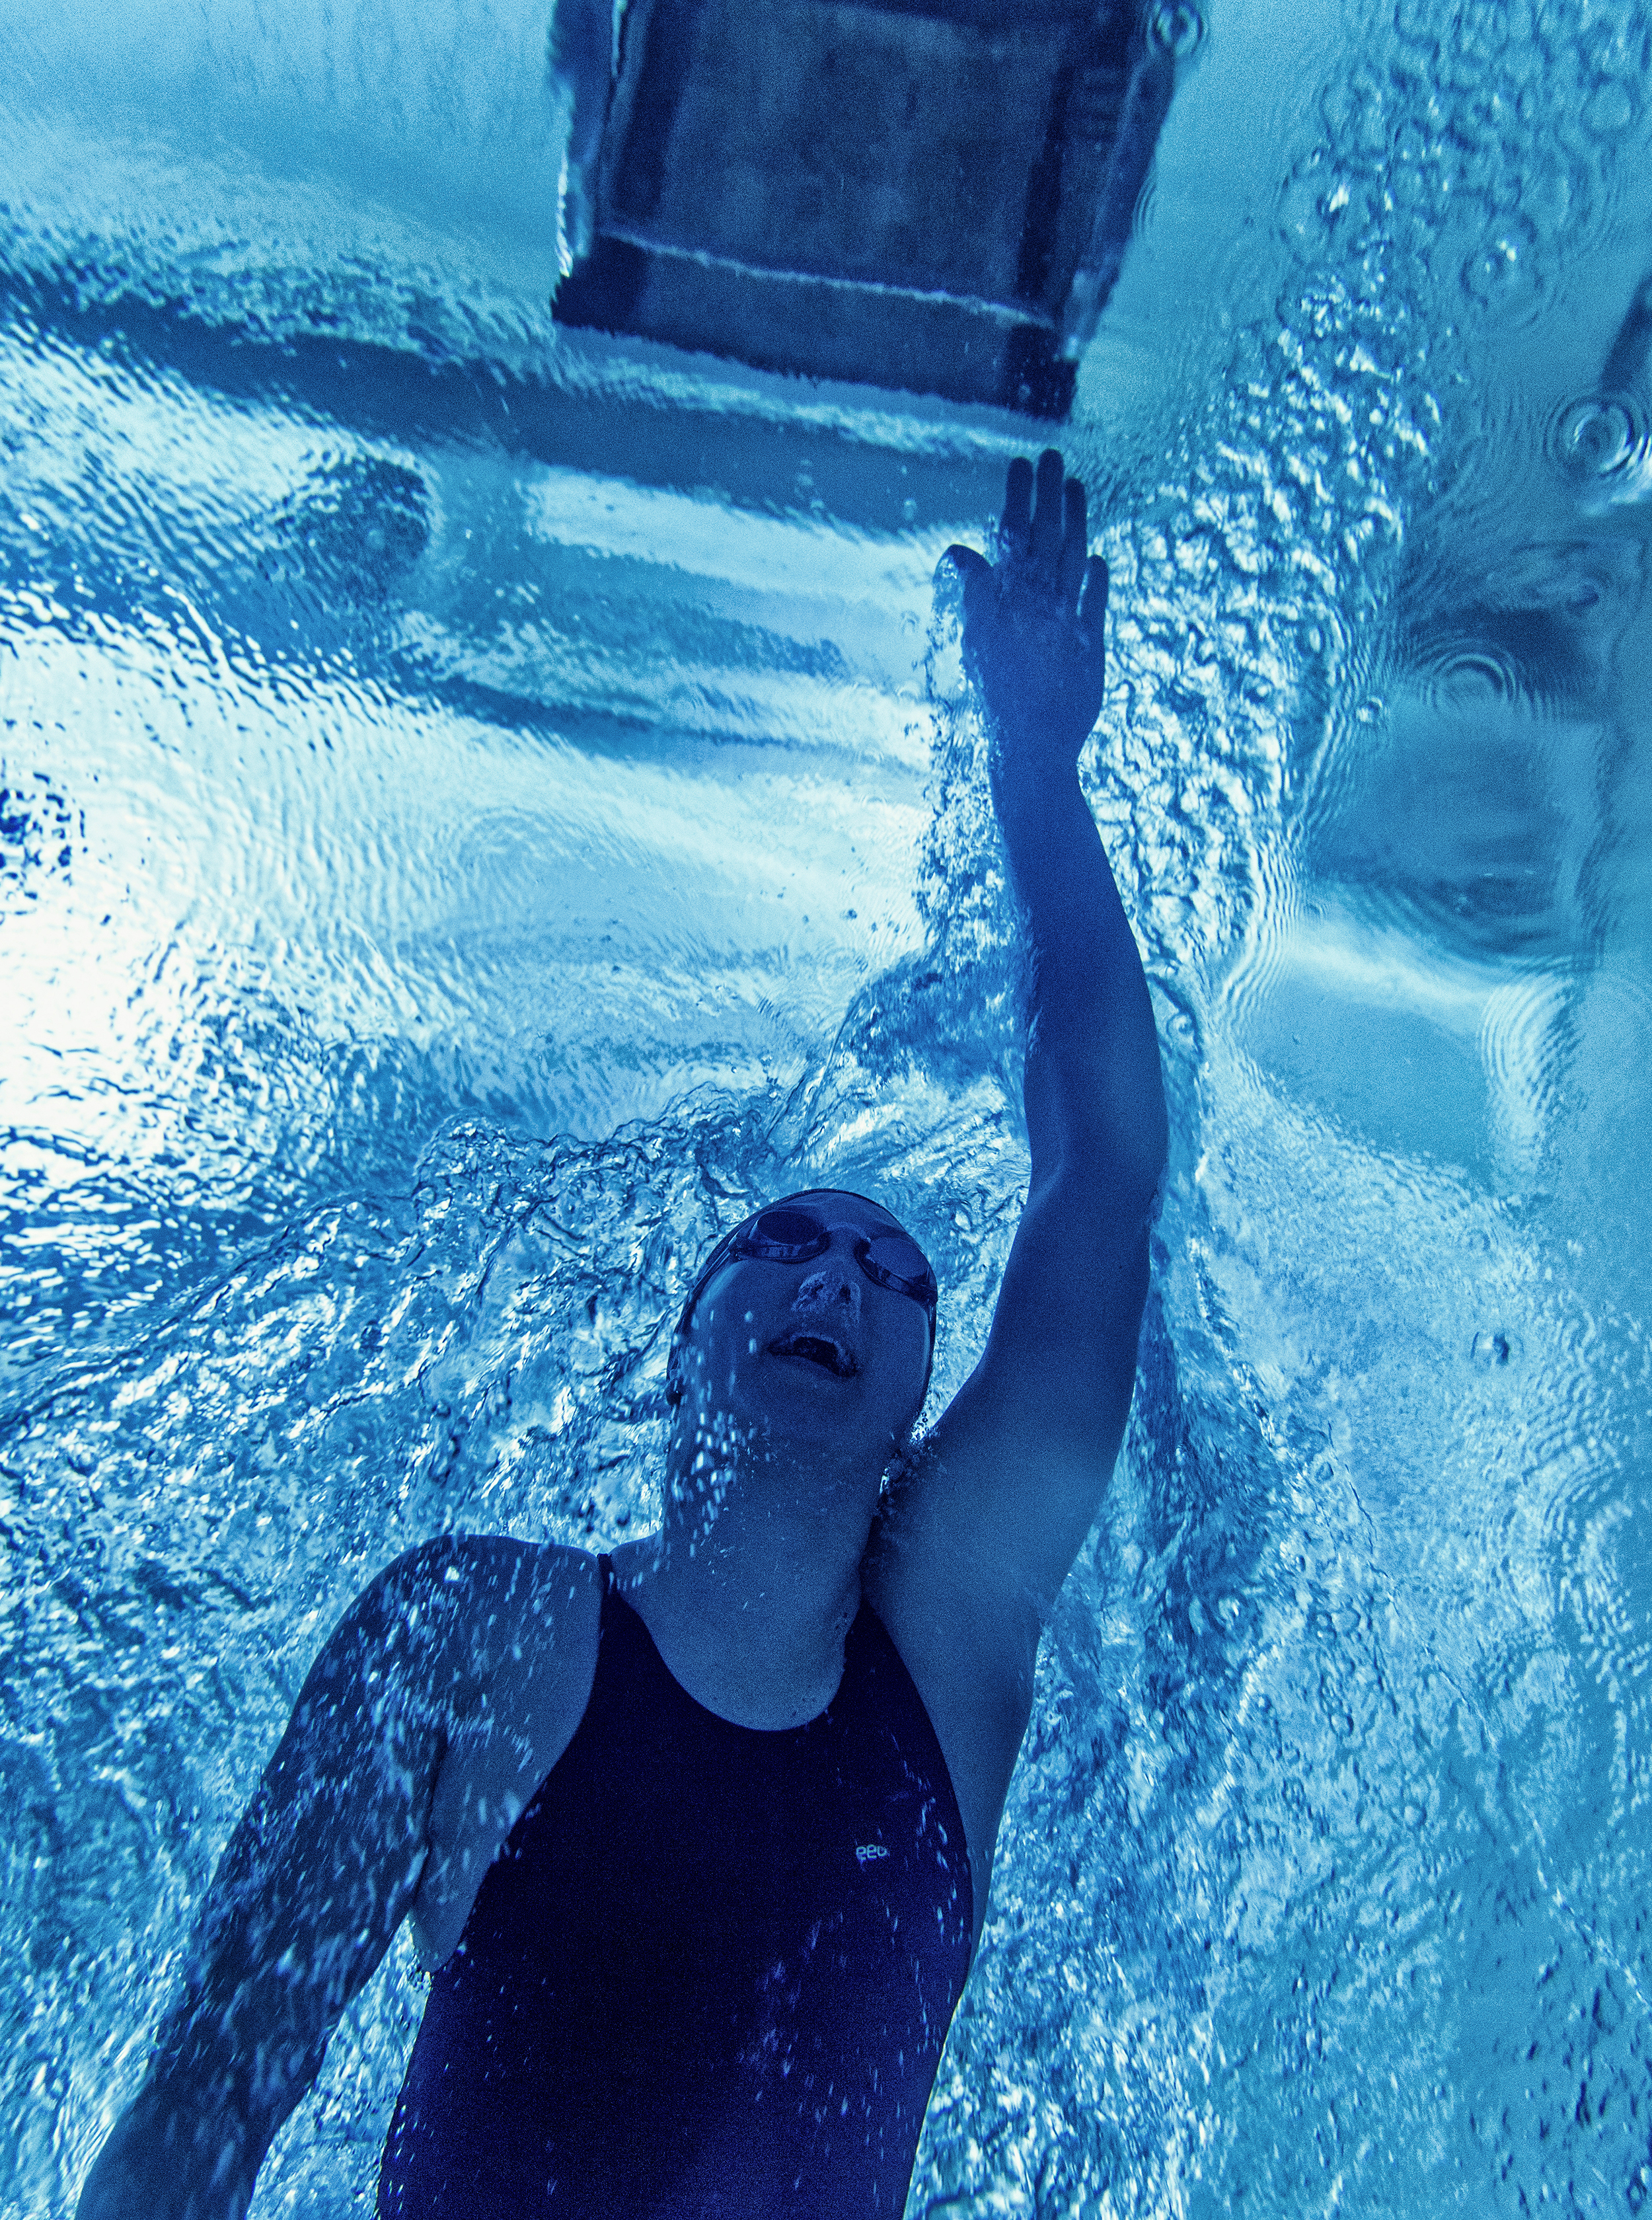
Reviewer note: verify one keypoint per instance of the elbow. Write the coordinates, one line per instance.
(1101, 1133)
(1120, 1178)
(1142, 1143)
(1156, 1158)
(1127, 1176)
(1132, 1146)
(1148, 1123)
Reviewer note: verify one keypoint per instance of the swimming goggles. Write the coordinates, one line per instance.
(789, 1234)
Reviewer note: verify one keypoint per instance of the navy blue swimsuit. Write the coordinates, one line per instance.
(709, 1975)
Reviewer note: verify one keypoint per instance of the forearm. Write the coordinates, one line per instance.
(1095, 1090)
(1022, 1456)
(310, 1891)
(231, 2058)
(168, 2161)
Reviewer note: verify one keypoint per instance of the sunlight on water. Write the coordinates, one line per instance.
(481, 805)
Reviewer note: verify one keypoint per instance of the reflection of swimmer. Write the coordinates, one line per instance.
(698, 1836)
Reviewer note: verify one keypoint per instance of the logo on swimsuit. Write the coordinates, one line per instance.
(865, 1852)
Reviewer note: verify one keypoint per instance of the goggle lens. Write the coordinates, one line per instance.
(785, 1237)
(895, 1260)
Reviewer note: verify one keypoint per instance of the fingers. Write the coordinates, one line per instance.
(965, 561)
(1047, 516)
(1017, 508)
(1046, 521)
(1093, 609)
(973, 570)
(1074, 543)
(974, 574)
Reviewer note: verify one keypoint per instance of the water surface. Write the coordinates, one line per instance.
(482, 804)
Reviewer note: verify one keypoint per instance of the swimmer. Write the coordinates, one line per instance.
(696, 1837)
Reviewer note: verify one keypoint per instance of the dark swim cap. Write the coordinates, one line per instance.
(719, 1256)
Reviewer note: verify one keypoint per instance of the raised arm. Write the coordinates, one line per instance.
(315, 1883)
(996, 1507)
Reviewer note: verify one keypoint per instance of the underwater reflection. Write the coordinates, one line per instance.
(1456, 856)
(1450, 1015)
(442, 739)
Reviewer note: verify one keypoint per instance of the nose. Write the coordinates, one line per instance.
(834, 1281)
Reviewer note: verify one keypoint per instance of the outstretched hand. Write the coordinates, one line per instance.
(1032, 624)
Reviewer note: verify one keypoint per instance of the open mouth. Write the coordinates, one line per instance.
(831, 1356)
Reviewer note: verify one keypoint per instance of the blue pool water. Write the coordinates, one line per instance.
(482, 803)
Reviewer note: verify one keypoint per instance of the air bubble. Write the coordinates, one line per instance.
(1494, 271)
(1479, 671)
(1178, 28)
(1503, 275)
(1469, 675)
(1319, 206)
(1608, 110)
(1595, 438)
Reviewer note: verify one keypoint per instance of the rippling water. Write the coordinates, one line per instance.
(481, 804)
